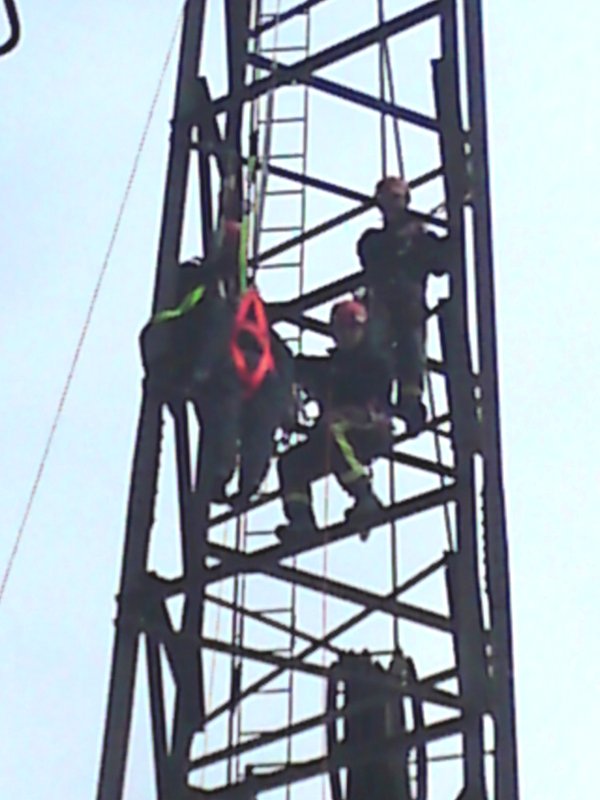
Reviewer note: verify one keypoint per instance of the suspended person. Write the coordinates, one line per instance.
(397, 259)
(180, 345)
(352, 385)
(248, 397)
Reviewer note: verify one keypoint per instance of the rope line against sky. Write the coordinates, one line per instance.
(89, 314)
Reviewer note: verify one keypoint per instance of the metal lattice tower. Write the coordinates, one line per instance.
(244, 683)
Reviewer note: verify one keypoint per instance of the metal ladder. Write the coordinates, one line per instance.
(274, 219)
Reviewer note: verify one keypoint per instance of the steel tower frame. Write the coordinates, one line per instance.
(473, 694)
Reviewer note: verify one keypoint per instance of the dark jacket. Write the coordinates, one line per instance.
(358, 376)
(191, 343)
(397, 261)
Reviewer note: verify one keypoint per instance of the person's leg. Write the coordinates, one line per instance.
(220, 416)
(410, 368)
(256, 446)
(297, 468)
(355, 445)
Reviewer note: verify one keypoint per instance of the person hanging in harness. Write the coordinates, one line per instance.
(180, 346)
(397, 260)
(248, 398)
(352, 385)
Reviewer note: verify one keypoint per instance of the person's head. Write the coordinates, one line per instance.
(348, 323)
(392, 196)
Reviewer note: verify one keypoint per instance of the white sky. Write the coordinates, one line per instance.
(74, 100)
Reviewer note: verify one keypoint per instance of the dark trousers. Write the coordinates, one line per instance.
(233, 423)
(344, 446)
(398, 323)
(410, 359)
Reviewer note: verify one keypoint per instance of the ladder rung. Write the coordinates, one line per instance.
(260, 533)
(286, 610)
(283, 49)
(283, 265)
(283, 191)
(281, 156)
(280, 228)
(274, 691)
(281, 119)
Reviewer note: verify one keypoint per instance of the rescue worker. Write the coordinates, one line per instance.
(397, 260)
(248, 397)
(352, 385)
(182, 344)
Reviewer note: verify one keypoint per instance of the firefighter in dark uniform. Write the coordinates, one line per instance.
(352, 385)
(397, 260)
(180, 346)
(248, 397)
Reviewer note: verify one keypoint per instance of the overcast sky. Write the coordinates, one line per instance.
(74, 99)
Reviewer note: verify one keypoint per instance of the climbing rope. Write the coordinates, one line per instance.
(213, 662)
(90, 311)
(386, 77)
(385, 82)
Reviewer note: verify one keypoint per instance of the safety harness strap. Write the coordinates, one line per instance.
(251, 319)
(247, 212)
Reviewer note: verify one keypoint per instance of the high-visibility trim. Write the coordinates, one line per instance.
(252, 306)
(247, 211)
(352, 477)
(190, 300)
(243, 254)
(297, 497)
(411, 390)
(338, 429)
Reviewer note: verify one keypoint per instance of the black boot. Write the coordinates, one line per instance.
(301, 520)
(219, 492)
(414, 413)
(367, 507)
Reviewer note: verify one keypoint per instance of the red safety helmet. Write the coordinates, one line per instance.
(349, 314)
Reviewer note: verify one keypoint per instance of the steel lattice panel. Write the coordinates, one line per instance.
(221, 644)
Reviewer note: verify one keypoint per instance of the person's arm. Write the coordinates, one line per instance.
(434, 252)
(366, 249)
(312, 372)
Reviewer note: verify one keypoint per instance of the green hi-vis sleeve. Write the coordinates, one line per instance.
(189, 301)
(243, 257)
(245, 229)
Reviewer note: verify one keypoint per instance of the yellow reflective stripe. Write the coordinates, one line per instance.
(245, 228)
(338, 430)
(243, 255)
(352, 477)
(190, 300)
(298, 497)
(411, 390)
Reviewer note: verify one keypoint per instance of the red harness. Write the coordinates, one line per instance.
(251, 319)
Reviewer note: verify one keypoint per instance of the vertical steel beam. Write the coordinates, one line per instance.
(125, 647)
(495, 526)
(145, 465)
